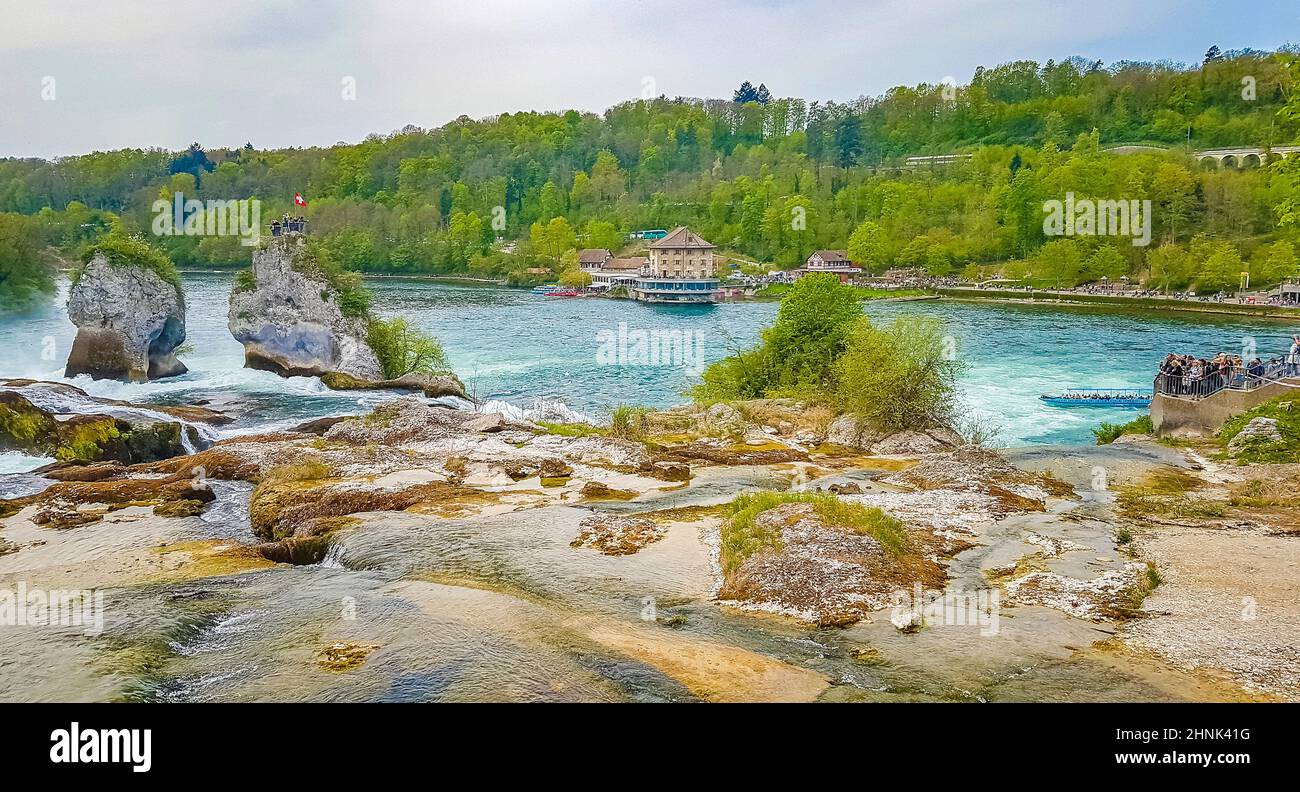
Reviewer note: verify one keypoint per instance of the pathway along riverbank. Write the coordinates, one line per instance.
(1040, 297)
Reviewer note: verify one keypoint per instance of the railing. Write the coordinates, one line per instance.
(1240, 378)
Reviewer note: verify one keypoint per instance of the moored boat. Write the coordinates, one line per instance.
(546, 289)
(1099, 397)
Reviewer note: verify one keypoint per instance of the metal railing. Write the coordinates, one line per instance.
(1242, 378)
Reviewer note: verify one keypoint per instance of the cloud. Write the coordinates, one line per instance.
(141, 74)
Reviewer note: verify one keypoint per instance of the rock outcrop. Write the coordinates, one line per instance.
(431, 385)
(129, 319)
(291, 322)
(1259, 431)
(86, 437)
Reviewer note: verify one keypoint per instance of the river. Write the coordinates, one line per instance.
(517, 348)
(501, 606)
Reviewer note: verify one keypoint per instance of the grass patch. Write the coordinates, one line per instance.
(571, 429)
(306, 469)
(742, 536)
(1140, 504)
(1108, 433)
(1165, 492)
(627, 422)
(1148, 581)
(129, 251)
(1286, 411)
(1261, 493)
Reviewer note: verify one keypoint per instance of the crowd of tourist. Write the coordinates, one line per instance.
(287, 224)
(1188, 375)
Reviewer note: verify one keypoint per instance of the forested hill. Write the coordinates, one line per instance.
(737, 170)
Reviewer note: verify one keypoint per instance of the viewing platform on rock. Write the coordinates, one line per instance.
(287, 225)
(1184, 405)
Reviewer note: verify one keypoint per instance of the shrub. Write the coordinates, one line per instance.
(352, 296)
(132, 251)
(627, 422)
(1107, 433)
(898, 377)
(798, 352)
(402, 349)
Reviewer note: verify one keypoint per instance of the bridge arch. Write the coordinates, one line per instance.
(1250, 161)
(1209, 163)
(1229, 161)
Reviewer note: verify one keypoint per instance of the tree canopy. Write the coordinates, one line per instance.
(494, 196)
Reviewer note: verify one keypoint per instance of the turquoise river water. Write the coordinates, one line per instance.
(521, 349)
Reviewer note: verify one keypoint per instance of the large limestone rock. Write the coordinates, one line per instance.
(849, 432)
(129, 323)
(290, 322)
(1259, 431)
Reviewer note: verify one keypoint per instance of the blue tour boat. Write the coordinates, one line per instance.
(1100, 397)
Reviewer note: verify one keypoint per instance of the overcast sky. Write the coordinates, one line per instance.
(141, 74)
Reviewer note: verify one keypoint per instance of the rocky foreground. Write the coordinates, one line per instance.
(834, 528)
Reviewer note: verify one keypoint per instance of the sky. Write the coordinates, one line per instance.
(79, 76)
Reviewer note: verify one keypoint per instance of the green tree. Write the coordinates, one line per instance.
(402, 349)
(603, 234)
(900, 376)
(575, 279)
(868, 246)
(1169, 266)
(551, 240)
(465, 236)
(25, 276)
(1277, 263)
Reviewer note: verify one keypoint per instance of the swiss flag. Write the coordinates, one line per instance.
(298, 200)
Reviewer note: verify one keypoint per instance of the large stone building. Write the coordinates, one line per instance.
(682, 270)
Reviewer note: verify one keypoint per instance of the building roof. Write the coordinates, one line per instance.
(624, 264)
(681, 237)
(593, 256)
(831, 256)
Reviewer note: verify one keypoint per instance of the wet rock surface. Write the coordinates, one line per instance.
(429, 516)
(87, 437)
(615, 535)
